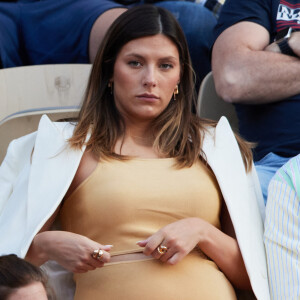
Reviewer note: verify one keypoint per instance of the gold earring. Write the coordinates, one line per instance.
(176, 92)
(110, 85)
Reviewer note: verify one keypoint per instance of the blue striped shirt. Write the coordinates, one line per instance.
(282, 232)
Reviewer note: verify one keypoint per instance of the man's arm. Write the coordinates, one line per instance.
(246, 70)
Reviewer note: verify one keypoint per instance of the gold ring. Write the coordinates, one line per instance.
(100, 254)
(162, 249)
(97, 254)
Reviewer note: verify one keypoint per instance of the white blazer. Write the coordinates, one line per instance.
(33, 183)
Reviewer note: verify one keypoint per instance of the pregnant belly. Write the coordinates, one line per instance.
(149, 279)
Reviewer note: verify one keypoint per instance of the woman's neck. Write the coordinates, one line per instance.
(137, 141)
(139, 134)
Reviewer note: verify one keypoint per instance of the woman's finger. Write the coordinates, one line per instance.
(170, 251)
(81, 268)
(106, 247)
(156, 254)
(161, 250)
(153, 242)
(99, 255)
(96, 263)
(150, 250)
(177, 257)
(142, 243)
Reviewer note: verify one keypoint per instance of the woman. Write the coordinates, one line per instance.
(139, 172)
(21, 280)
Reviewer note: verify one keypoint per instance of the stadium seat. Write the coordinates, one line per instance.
(26, 93)
(211, 106)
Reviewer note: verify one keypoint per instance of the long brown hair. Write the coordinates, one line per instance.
(178, 132)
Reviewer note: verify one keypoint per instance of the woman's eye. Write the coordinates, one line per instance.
(134, 63)
(166, 66)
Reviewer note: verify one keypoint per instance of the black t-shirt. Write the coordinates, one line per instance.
(275, 126)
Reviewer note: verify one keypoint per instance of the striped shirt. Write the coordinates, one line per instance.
(282, 232)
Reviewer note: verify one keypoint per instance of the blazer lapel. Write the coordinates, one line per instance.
(223, 156)
(53, 169)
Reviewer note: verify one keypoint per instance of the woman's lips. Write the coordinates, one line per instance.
(148, 97)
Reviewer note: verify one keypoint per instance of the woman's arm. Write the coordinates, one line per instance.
(70, 250)
(34, 255)
(223, 249)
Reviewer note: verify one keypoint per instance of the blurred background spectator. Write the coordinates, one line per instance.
(48, 32)
(20, 279)
(260, 78)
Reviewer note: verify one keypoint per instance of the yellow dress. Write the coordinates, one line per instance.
(123, 202)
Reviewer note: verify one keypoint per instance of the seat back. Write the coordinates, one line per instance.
(26, 93)
(211, 106)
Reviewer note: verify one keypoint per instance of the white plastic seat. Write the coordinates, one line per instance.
(26, 93)
(211, 106)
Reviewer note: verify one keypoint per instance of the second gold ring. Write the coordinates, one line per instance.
(97, 254)
(162, 249)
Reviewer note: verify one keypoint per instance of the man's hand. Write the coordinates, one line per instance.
(294, 43)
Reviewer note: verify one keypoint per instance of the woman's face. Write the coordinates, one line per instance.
(146, 73)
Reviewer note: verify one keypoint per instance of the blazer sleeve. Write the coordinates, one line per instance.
(18, 153)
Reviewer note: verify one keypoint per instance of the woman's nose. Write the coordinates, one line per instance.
(149, 79)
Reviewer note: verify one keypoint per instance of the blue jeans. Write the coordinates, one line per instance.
(266, 169)
(197, 23)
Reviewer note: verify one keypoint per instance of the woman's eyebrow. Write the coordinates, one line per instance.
(134, 54)
(170, 57)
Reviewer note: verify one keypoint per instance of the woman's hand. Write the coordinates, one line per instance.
(70, 250)
(179, 237)
(183, 236)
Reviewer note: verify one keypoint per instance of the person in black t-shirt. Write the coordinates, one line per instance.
(256, 66)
